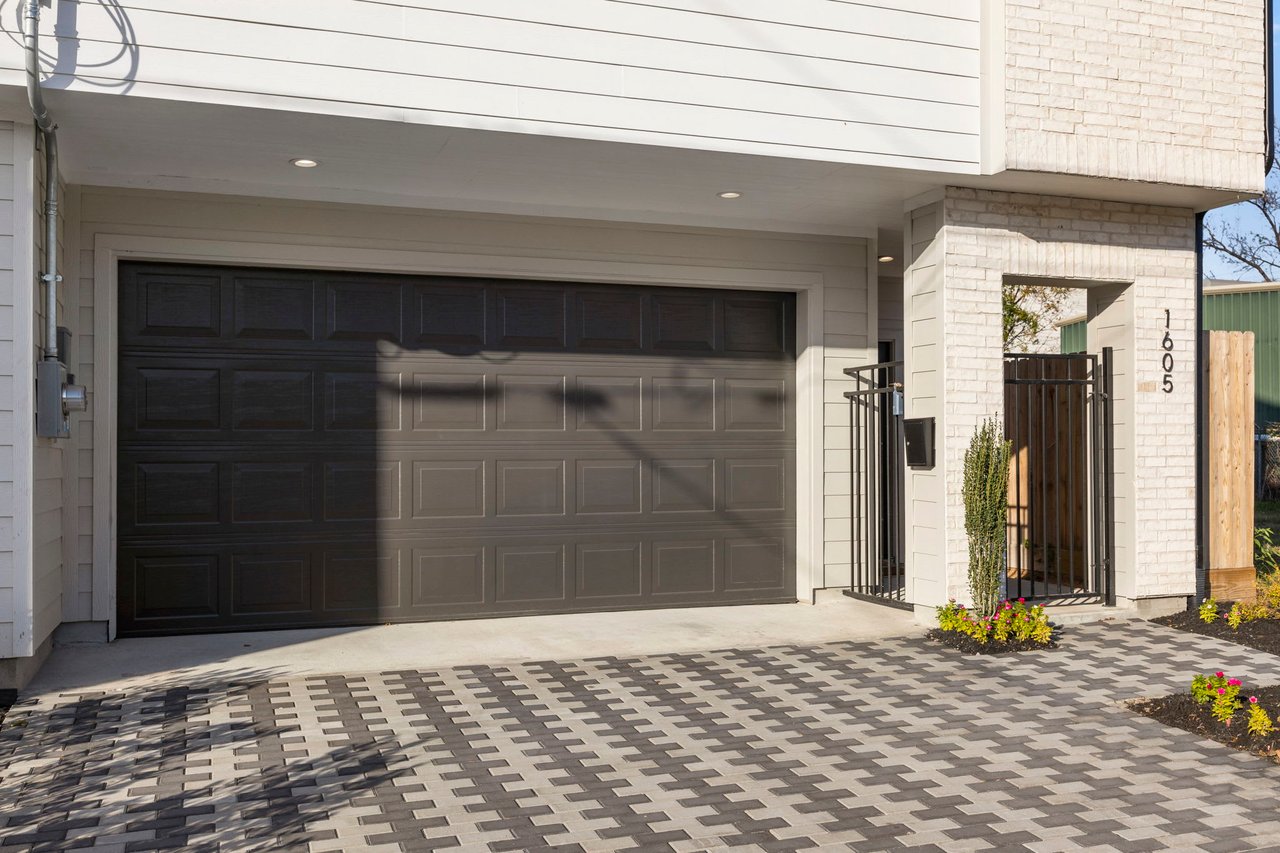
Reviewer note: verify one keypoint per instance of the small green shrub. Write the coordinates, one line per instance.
(1260, 722)
(1219, 690)
(986, 513)
(1266, 554)
(1013, 621)
(1208, 611)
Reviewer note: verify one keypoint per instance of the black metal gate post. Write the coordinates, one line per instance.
(1106, 399)
(1058, 416)
(878, 567)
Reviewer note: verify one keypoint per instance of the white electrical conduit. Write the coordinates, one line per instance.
(49, 130)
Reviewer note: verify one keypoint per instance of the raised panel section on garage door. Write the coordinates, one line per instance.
(302, 448)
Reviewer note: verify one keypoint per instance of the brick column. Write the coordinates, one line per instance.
(1137, 263)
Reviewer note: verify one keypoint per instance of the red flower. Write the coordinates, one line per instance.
(1217, 675)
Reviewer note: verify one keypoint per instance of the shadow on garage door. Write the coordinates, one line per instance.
(300, 448)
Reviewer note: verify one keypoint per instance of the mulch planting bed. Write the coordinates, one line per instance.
(1182, 712)
(1262, 634)
(970, 646)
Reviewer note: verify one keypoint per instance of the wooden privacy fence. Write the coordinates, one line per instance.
(1229, 460)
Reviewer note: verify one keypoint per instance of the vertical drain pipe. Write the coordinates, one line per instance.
(56, 394)
(49, 133)
(1201, 423)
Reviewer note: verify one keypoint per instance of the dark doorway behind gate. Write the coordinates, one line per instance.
(1057, 416)
(878, 566)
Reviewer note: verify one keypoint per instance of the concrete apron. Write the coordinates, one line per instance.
(258, 655)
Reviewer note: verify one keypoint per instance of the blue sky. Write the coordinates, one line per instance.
(1242, 214)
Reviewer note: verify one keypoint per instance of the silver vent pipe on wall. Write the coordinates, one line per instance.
(57, 395)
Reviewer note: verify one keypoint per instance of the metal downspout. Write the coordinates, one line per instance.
(1202, 432)
(49, 132)
(1270, 149)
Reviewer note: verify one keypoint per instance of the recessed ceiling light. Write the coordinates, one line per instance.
(730, 194)
(885, 259)
(305, 163)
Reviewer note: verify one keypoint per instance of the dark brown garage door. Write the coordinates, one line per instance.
(302, 448)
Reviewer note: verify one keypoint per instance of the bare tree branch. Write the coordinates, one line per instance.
(1249, 248)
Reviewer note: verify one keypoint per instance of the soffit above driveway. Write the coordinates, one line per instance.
(114, 141)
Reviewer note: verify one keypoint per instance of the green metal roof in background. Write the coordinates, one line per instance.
(1073, 337)
(1256, 311)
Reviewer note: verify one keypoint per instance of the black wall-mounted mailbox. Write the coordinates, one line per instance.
(918, 433)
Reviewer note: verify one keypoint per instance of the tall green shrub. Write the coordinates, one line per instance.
(986, 513)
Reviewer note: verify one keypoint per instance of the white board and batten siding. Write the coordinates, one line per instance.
(879, 82)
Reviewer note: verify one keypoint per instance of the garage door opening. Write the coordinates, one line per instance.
(302, 448)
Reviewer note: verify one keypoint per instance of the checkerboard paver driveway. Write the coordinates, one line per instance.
(887, 745)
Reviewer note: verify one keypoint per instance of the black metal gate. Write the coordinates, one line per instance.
(1058, 418)
(879, 567)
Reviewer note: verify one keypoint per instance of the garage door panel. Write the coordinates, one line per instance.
(360, 580)
(450, 488)
(685, 324)
(531, 574)
(273, 308)
(170, 398)
(613, 570)
(609, 321)
(264, 492)
(443, 577)
(530, 318)
(450, 402)
(363, 310)
(341, 449)
(170, 586)
(609, 403)
(531, 402)
(170, 493)
(271, 583)
(266, 399)
(361, 490)
(450, 314)
(755, 562)
(179, 305)
(609, 487)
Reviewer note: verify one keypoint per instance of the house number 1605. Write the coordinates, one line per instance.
(1166, 361)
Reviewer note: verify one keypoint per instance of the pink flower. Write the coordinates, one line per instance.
(1253, 700)
(1217, 675)
(1235, 682)
(1022, 601)
(1221, 691)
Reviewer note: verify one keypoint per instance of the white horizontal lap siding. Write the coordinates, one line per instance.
(816, 78)
(16, 433)
(49, 487)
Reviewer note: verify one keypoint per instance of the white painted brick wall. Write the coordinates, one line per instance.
(1154, 90)
(990, 234)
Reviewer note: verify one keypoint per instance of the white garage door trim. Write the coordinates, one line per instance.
(111, 249)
